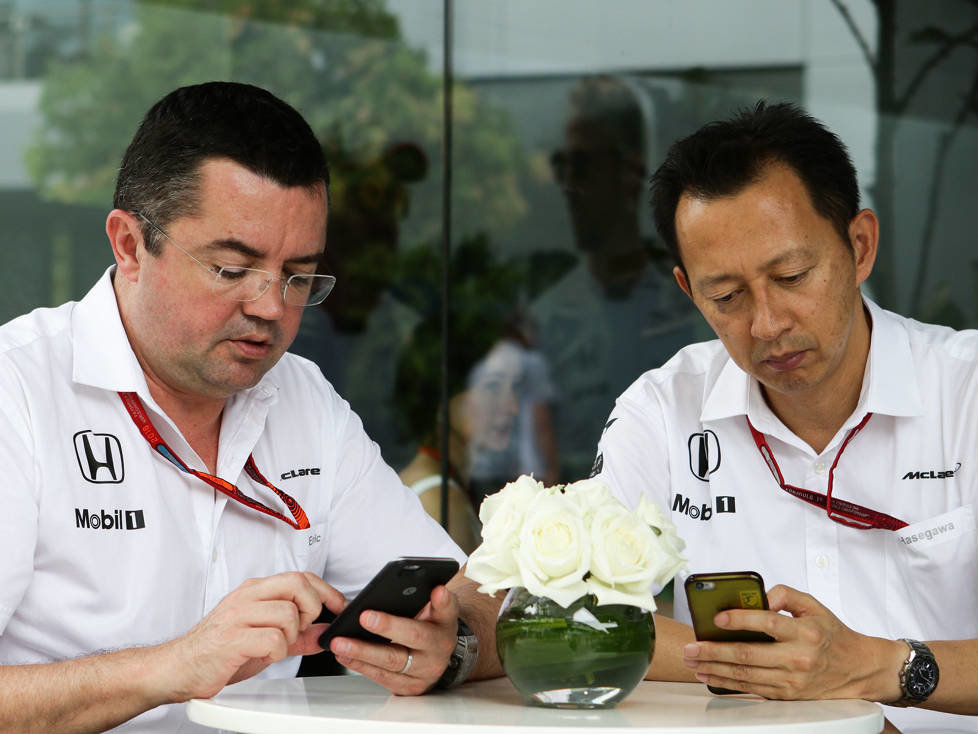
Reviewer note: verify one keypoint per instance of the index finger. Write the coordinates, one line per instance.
(763, 621)
(331, 597)
(308, 592)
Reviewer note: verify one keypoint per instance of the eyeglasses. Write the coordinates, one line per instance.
(249, 284)
(841, 511)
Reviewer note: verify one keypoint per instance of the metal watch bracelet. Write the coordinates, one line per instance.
(463, 659)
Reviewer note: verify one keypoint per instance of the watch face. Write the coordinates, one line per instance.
(921, 679)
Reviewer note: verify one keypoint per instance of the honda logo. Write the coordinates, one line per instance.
(704, 454)
(99, 457)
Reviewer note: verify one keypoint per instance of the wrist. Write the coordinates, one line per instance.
(883, 685)
(178, 685)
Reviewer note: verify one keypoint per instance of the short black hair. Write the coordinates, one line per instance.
(160, 172)
(607, 101)
(724, 157)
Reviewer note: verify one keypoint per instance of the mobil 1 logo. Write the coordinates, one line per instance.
(702, 511)
(119, 519)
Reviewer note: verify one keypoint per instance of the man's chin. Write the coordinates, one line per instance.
(787, 383)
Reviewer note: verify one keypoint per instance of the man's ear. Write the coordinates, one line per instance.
(125, 233)
(680, 277)
(864, 233)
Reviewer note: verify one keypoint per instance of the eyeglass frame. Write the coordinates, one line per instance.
(329, 281)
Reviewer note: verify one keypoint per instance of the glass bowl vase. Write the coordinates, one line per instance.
(580, 656)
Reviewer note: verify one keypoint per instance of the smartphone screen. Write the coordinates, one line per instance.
(402, 587)
(708, 594)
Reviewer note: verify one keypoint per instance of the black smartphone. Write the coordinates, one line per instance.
(402, 587)
(708, 594)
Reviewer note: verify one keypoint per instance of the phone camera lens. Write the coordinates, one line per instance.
(699, 585)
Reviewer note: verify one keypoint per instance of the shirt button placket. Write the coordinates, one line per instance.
(822, 542)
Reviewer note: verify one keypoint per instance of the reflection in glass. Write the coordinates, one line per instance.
(618, 312)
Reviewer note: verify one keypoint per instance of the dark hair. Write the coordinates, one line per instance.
(160, 172)
(724, 157)
(606, 101)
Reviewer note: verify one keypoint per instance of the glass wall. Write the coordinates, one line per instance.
(559, 291)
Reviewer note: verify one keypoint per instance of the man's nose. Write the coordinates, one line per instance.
(769, 319)
(270, 305)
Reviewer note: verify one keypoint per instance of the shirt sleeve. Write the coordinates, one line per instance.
(375, 517)
(633, 458)
(18, 497)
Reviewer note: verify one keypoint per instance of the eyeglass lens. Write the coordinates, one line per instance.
(245, 284)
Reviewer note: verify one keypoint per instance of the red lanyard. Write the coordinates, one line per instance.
(135, 407)
(846, 513)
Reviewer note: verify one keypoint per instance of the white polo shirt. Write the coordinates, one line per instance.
(107, 545)
(679, 436)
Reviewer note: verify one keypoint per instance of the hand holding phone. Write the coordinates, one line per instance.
(708, 594)
(402, 588)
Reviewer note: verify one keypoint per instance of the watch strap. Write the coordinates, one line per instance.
(463, 658)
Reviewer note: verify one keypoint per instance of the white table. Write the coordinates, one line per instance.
(355, 704)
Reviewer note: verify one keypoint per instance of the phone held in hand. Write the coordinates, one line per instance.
(708, 594)
(402, 588)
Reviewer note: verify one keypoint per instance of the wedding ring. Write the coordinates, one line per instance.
(407, 665)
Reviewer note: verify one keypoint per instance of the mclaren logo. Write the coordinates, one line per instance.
(933, 473)
(704, 454)
(99, 457)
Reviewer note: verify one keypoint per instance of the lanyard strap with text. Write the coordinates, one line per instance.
(135, 407)
(846, 513)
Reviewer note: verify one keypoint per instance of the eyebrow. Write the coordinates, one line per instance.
(247, 250)
(720, 278)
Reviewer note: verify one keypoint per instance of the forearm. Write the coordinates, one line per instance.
(670, 638)
(956, 691)
(479, 612)
(89, 694)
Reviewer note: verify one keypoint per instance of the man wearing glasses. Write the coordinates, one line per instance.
(821, 440)
(176, 486)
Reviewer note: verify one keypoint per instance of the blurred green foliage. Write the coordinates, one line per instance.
(340, 63)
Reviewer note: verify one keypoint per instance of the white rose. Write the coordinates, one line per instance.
(637, 594)
(493, 564)
(511, 501)
(589, 494)
(493, 570)
(671, 560)
(554, 550)
(502, 513)
(624, 546)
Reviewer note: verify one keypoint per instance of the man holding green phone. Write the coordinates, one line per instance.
(821, 440)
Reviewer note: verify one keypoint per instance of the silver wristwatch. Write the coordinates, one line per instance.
(463, 658)
(919, 675)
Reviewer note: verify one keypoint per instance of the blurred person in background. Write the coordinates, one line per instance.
(617, 313)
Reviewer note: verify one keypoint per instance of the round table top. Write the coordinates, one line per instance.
(348, 703)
